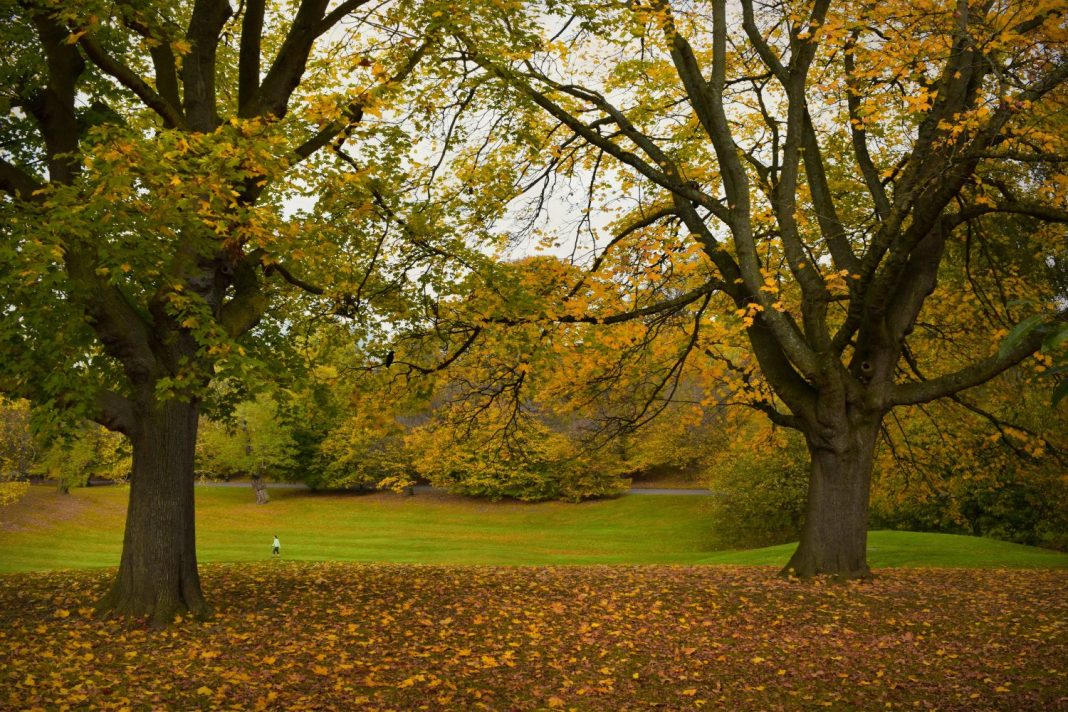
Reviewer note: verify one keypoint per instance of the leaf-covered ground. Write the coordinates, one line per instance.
(350, 636)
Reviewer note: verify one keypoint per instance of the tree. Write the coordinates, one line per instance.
(89, 451)
(149, 152)
(823, 156)
(17, 447)
(17, 450)
(254, 442)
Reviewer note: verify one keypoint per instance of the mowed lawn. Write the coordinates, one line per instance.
(48, 531)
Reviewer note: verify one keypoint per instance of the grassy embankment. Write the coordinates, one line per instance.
(84, 530)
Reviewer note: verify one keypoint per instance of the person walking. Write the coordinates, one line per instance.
(276, 548)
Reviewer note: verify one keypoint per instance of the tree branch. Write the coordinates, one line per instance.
(354, 112)
(463, 348)
(126, 77)
(618, 318)
(338, 14)
(1043, 212)
(17, 183)
(116, 413)
(973, 375)
(860, 136)
(283, 77)
(163, 63)
(248, 67)
(248, 304)
(198, 67)
(594, 138)
(292, 279)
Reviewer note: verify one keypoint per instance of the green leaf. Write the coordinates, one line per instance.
(1020, 332)
(1056, 339)
(1059, 393)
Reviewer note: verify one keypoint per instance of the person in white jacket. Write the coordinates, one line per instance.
(276, 547)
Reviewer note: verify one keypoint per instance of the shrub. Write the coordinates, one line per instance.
(760, 485)
(535, 463)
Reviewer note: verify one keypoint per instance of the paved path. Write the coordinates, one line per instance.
(248, 485)
(669, 491)
(427, 489)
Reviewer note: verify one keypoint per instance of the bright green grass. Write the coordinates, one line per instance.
(83, 530)
(890, 548)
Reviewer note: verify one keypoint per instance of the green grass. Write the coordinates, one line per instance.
(916, 549)
(84, 530)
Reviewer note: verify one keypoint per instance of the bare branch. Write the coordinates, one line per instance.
(463, 348)
(338, 14)
(668, 305)
(293, 279)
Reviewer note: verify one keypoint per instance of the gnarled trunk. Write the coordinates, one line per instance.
(157, 575)
(834, 537)
(260, 489)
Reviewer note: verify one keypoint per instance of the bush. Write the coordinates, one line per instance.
(760, 488)
(365, 450)
(11, 492)
(1009, 505)
(88, 453)
(536, 463)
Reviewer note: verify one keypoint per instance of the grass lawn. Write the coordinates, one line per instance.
(84, 530)
(887, 549)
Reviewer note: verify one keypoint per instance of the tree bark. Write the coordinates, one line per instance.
(157, 575)
(261, 490)
(834, 537)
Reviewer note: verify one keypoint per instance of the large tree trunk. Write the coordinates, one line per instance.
(157, 575)
(834, 537)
